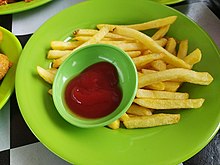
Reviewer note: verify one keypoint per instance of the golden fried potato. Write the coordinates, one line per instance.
(151, 121)
(162, 104)
(115, 124)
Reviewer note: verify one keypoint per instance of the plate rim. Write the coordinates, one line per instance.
(170, 2)
(31, 5)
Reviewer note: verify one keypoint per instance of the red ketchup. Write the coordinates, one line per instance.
(95, 92)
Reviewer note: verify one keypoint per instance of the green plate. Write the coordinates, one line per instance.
(154, 146)
(11, 47)
(21, 6)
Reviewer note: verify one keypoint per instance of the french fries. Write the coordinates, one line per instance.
(183, 49)
(150, 44)
(139, 110)
(60, 45)
(153, 94)
(142, 61)
(151, 121)
(162, 104)
(178, 74)
(171, 45)
(115, 124)
(54, 54)
(161, 32)
(193, 57)
(163, 64)
(157, 23)
(47, 75)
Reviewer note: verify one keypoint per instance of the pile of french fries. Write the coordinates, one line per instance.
(163, 64)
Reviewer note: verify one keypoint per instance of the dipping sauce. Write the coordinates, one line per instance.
(95, 92)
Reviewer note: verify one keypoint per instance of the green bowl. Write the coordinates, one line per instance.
(80, 60)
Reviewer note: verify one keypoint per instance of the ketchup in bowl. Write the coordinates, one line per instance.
(95, 86)
(95, 92)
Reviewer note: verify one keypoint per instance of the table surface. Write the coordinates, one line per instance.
(18, 146)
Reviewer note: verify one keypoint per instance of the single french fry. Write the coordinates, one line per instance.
(53, 54)
(160, 86)
(86, 38)
(194, 57)
(158, 65)
(115, 124)
(150, 44)
(162, 42)
(153, 94)
(119, 37)
(169, 104)
(52, 70)
(123, 44)
(171, 86)
(152, 120)
(91, 32)
(124, 117)
(128, 46)
(85, 32)
(183, 49)
(48, 76)
(157, 23)
(114, 42)
(184, 75)
(161, 32)
(171, 45)
(134, 53)
(61, 45)
(148, 71)
(50, 91)
(57, 62)
(141, 61)
(135, 109)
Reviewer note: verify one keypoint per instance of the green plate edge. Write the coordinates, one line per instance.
(165, 2)
(160, 145)
(21, 6)
(168, 2)
(7, 86)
